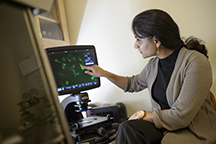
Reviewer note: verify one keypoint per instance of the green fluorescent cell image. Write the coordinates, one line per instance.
(67, 68)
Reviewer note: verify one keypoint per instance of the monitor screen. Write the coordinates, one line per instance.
(66, 64)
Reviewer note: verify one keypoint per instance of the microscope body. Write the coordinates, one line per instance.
(89, 129)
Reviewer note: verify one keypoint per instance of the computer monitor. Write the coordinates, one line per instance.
(66, 63)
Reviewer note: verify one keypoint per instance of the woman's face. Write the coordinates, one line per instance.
(147, 47)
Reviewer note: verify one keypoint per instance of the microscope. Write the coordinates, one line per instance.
(71, 79)
(92, 129)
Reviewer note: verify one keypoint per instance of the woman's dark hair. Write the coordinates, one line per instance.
(196, 44)
(158, 23)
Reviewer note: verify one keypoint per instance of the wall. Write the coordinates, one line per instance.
(107, 25)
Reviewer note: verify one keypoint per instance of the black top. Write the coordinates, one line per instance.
(165, 69)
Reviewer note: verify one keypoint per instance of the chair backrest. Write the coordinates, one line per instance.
(213, 100)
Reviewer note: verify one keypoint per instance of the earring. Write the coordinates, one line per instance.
(158, 51)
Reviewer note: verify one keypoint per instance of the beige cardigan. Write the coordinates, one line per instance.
(191, 118)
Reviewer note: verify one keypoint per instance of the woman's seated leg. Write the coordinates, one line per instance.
(138, 132)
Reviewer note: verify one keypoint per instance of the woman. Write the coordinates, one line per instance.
(178, 78)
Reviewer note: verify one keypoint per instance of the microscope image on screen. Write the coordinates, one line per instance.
(68, 71)
(66, 63)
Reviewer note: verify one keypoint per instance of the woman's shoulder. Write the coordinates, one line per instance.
(187, 53)
(188, 57)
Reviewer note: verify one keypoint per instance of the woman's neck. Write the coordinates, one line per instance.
(164, 52)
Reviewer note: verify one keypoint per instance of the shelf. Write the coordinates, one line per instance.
(50, 29)
(48, 19)
(52, 25)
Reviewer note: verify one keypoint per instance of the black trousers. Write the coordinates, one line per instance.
(138, 132)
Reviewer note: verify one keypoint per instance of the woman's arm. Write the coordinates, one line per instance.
(96, 71)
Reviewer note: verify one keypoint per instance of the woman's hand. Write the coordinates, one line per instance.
(94, 70)
(148, 117)
(133, 117)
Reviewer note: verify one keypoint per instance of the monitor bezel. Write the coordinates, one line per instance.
(75, 47)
